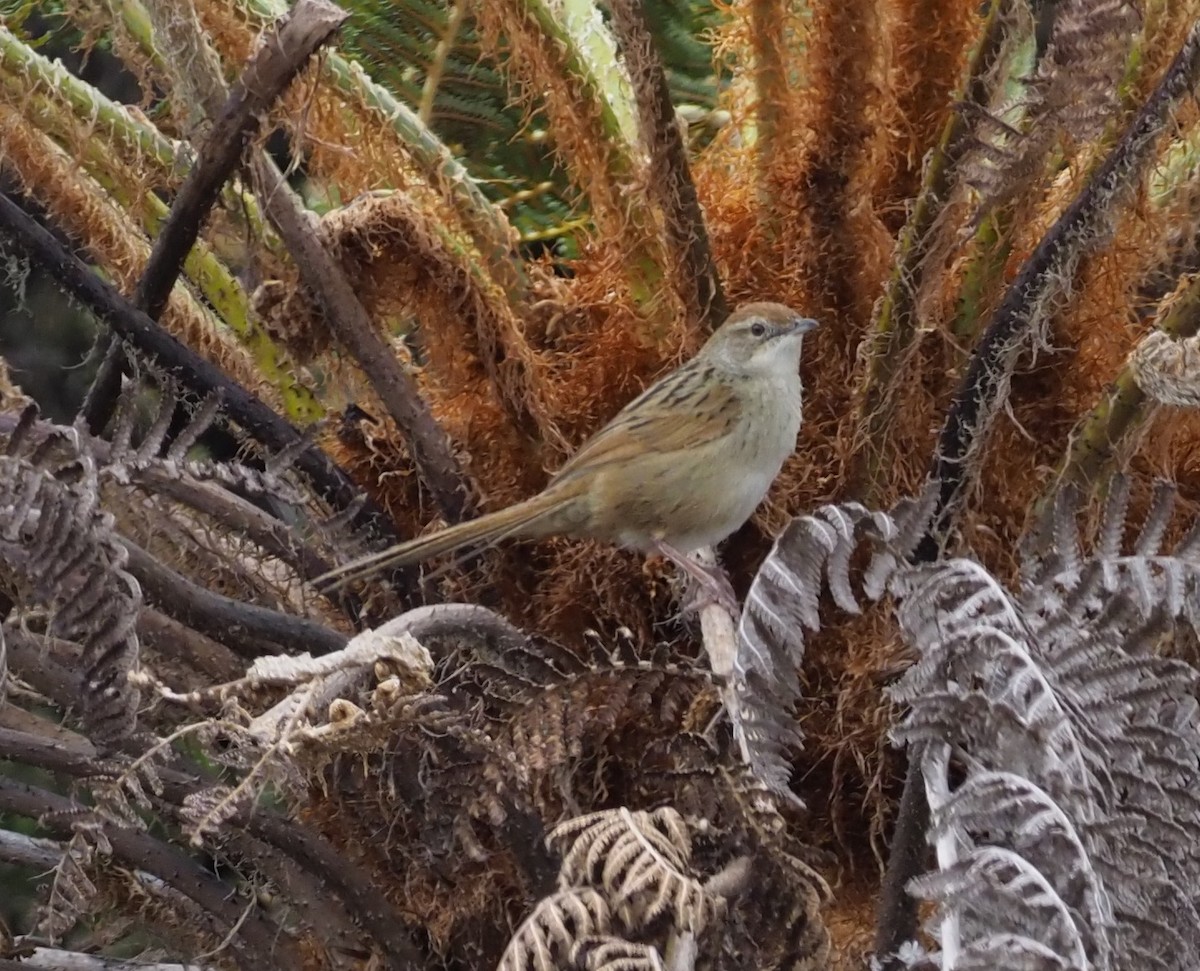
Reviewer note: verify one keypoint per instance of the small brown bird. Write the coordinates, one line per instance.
(680, 467)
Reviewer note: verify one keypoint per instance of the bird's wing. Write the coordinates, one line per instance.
(683, 411)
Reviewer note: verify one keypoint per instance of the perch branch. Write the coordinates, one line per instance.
(240, 626)
(357, 890)
(435, 623)
(29, 851)
(47, 753)
(281, 56)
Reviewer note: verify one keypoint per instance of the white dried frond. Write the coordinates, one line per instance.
(642, 863)
(1002, 890)
(1058, 581)
(387, 654)
(545, 941)
(399, 651)
(375, 654)
(615, 954)
(1068, 834)
(1168, 369)
(812, 553)
(287, 744)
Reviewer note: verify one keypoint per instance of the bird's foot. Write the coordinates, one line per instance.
(716, 591)
(713, 586)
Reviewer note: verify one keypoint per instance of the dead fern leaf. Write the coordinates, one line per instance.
(1167, 369)
(72, 891)
(615, 954)
(58, 548)
(641, 860)
(548, 936)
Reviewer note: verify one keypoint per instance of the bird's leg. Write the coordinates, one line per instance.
(713, 581)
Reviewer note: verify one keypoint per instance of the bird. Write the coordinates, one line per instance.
(680, 467)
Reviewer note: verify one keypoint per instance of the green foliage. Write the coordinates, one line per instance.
(511, 156)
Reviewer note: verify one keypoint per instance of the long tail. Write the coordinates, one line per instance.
(533, 518)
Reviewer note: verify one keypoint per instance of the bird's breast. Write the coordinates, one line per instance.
(772, 413)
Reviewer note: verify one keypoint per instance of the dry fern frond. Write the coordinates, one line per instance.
(58, 547)
(547, 938)
(1073, 92)
(1082, 68)
(783, 603)
(615, 954)
(1057, 748)
(379, 652)
(641, 860)
(72, 891)
(1168, 370)
(1152, 581)
(158, 454)
(382, 654)
(559, 711)
(597, 714)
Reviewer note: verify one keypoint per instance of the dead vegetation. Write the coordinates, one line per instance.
(996, 224)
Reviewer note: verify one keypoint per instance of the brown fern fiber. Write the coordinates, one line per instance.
(930, 40)
(679, 468)
(839, 242)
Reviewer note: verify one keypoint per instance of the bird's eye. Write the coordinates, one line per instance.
(758, 329)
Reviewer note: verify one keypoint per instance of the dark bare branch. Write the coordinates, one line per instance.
(246, 628)
(316, 858)
(280, 57)
(203, 378)
(353, 328)
(670, 175)
(1051, 267)
(255, 941)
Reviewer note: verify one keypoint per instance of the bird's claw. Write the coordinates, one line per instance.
(713, 589)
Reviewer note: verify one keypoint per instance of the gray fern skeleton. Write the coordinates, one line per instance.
(783, 603)
(1073, 839)
(193, 511)
(61, 550)
(621, 871)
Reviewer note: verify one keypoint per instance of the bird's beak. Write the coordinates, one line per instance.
(800, 325)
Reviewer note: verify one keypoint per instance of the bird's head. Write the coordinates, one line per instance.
(761, 338)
